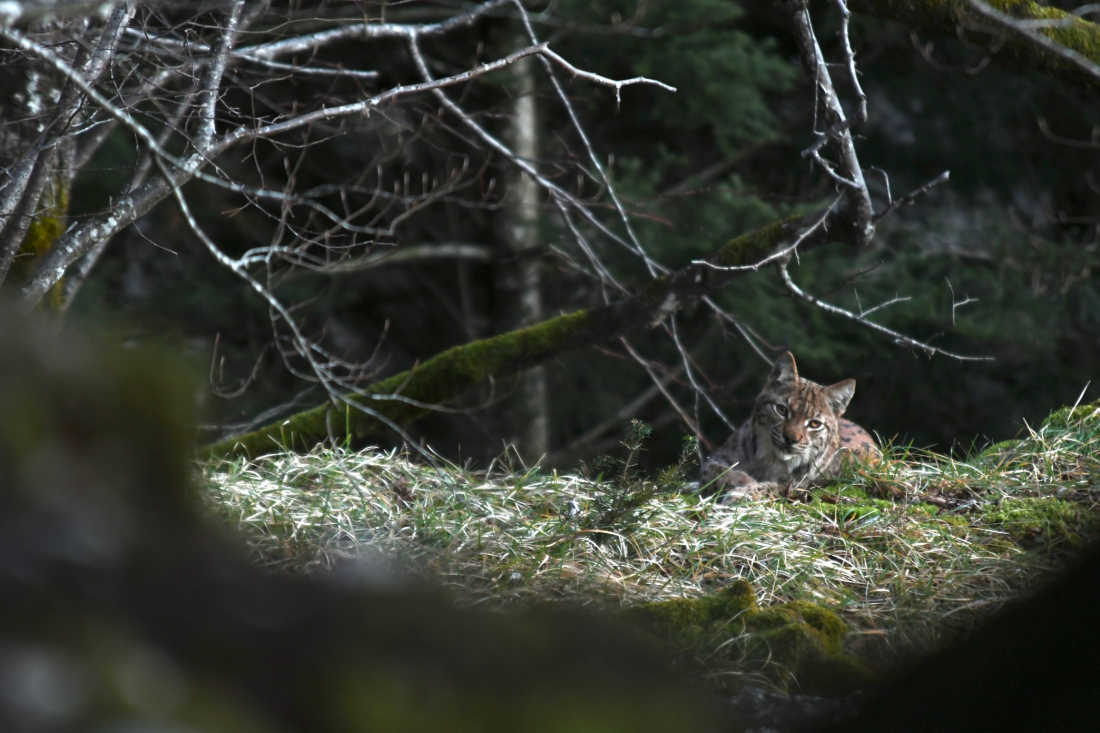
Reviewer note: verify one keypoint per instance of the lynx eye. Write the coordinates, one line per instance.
(781, 410)
(815, 425)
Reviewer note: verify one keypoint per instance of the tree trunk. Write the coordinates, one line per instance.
(518, 273)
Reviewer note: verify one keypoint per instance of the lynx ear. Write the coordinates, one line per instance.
(840, 394)
(784, 369)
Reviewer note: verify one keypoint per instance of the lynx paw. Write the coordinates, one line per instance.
(748, 491)
(735, 486)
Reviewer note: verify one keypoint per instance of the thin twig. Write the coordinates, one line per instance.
(912, 196)
(899, 338)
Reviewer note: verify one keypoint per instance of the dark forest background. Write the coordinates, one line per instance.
(1015, 229)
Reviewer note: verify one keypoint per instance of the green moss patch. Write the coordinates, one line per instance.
(1035, 520)
(1002, 449)
(844, 505)
(795, 646)
(48, 224)
(1075, 418)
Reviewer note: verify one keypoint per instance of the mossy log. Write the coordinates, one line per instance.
(411, 394)
(1078, 35)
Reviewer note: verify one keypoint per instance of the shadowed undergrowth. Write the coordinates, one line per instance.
(906, 553)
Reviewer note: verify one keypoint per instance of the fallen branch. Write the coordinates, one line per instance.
(409, 395)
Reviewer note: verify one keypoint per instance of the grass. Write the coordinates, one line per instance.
(907, 552)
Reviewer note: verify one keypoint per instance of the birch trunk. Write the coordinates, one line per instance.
(519, 270)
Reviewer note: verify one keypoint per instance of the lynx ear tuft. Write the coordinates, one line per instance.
(840, 394)
(784, 369)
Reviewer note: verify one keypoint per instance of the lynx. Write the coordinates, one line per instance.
(794, 438)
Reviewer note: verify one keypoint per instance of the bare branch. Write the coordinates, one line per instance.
(597, 79)
(295, 70)
(625, 413)
(864, 312)
(27, 11)
(364, 106)
(850, 175)
(1091, 144)
(301, 344)
(898, 338)
(913, 195)
(690, 372)
(211, 82)
(80, 240)
(956, 304)
(634, 244)
(500, 147)
(361, 31)
(413, 253)
(850, 62)
(661, 386)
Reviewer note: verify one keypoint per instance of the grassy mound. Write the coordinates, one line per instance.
(778, 590)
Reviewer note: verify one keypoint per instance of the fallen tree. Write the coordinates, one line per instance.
(411, 394)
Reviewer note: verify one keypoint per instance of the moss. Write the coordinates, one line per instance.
(47, 226)
(668, 615)
(824, 621)
(930, 510)
(953, 519)
(796, 645)
(1000, 450)
(802, 644)
(737, 598)
(696, 624)
(1078, 34)
(1044, 520)
(1074, 418)
(756, 244)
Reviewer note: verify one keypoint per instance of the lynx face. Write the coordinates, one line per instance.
(795, 437)
(795, 420)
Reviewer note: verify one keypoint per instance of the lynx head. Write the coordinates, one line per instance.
(794, 419)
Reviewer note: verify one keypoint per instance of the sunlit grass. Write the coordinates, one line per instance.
(905, 551)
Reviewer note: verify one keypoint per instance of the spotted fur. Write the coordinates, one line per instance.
(795, 437)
